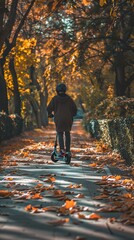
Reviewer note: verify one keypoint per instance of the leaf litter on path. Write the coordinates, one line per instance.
(94, 154)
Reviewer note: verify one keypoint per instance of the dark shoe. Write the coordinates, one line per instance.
(69, 153)
(62, 153)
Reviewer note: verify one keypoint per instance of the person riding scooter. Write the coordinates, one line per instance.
(63, 108)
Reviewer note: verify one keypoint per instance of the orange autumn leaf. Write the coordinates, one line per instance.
(104, 177)
(81, 216)
(125, 181)
(39, 185)
(112, 219)
(75, 164)
(70, 204)
(127, 195)
(36, 196)
(35, 210)
(58, 193)
(32, 209)
(59, 222)
(92, 164)
(63, 210)
(75, 186)
(9, 179)
(94, 216)
(5, 193)
(47, 188)
(118, 177)
(51, 179)
(24, 154)
(14, 163)
(28, 207)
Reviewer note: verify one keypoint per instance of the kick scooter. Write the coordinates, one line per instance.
(55, 155)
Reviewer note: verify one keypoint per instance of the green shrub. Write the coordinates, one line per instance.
(117, 133)
(113, 123)
(10, 126)
(17, 124)
(122, 137)
(114, 108)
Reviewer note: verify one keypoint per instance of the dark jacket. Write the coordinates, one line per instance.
(64, 110)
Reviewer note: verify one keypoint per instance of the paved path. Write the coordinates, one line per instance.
(32, 179)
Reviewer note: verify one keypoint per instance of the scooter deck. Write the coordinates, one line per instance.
(64, 158)
(56, 158)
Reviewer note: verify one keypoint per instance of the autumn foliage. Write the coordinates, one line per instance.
(39, 52)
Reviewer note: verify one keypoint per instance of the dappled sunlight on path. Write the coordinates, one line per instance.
(40, 199)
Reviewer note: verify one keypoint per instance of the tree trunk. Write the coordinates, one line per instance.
(81, 105)
(3, 90)
(43, 101)
(43, 110)
(120, 85)
(43, 97)
(36, 110)
(34, 103)
(17, 99)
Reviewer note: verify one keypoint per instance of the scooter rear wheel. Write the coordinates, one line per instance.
(68, 159)
(53, 156)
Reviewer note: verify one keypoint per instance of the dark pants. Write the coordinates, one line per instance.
(64, 139)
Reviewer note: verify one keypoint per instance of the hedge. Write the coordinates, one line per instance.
(10, 126)
(117, 133)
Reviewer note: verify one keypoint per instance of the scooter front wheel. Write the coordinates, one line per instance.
(53, 157)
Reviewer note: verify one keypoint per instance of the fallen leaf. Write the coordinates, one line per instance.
(118, 177)
(127, 195)
(50, 179)
(28, 207)
(13, 163)
(94, 216)
(5, 193)
(108, 209)
(92, 164)
(39, 185)
(59, 222)
(36, 196)
(9, 179)
(75, 186)
(70, 204)
(104, 177)
(112, 219)
(80, 195)
(58, 193)
(75, 164)
(32, 209)
(81, 216)
(102, 196)
(63, 210)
